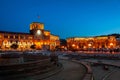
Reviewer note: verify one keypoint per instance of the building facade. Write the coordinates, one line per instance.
(42, 39)
(97, 42)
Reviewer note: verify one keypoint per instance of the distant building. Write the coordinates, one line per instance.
(96, 42)
(42, 39)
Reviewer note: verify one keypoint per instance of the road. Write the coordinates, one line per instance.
(71, 71)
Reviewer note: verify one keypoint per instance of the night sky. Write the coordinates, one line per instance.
(66, 18)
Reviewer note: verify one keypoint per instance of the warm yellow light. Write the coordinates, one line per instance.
(38, 43)
(62, 46)
(77, 47)
(46, 33)
(84, 47)
(73, 45)
(111, 44)
(89, 45)
(45, 43)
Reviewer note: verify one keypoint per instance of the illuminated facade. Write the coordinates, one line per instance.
(42, 39)
(99, 42)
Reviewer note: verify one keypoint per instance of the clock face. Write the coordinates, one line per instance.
(39, 32)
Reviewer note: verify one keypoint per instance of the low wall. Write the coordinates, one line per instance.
(88, 75)
(23, 68)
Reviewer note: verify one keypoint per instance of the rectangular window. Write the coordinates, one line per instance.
(30, 37)
(16, 37)
(21, 37)
(0, 36)
(46, 37)
(11, 37)
(5, 36)
(25, 37)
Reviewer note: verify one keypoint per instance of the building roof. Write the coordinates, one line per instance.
(80, 37)
(116, 35)
(47, 30)
(55, 35)
(38, 22)
(8, 32)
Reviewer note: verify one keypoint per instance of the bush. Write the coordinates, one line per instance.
(33, 46)
(14, 46)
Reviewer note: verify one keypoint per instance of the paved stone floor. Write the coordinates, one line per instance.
(114, 76)
(71, 71)
(100, 74)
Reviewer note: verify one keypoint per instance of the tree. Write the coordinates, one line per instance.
(14, 46)
(33, 46)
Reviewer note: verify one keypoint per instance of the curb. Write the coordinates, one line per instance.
(108, 74)
(88, 75)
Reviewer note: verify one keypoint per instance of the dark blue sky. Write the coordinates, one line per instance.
(65, 18)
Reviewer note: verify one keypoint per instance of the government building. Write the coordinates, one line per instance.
(95, 42)
(40, 38)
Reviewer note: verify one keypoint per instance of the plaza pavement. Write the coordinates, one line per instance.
(112, 74)
(71, 71)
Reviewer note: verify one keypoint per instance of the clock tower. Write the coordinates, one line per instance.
(37, 29)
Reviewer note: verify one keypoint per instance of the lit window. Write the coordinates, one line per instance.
(73, 45)
(30, 37)
(5, 36)
(0, 36)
